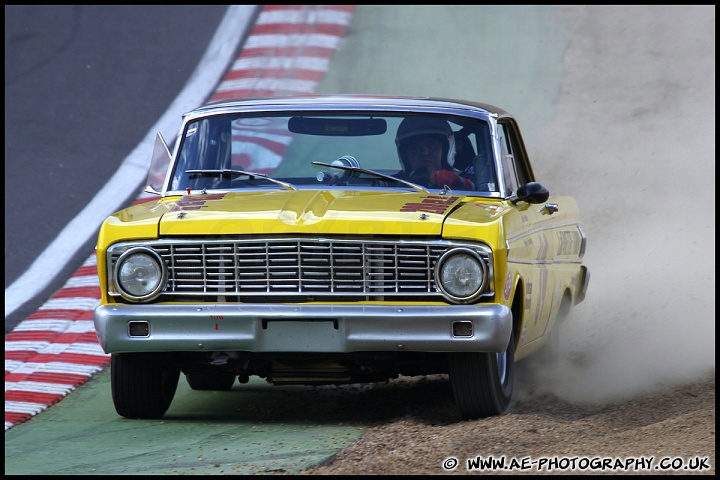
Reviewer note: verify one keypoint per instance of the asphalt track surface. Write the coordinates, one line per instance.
(86, 89)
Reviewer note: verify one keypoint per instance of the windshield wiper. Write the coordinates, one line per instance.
(228, 171)
(374, 174)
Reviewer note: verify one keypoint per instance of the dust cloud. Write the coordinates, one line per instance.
(633, 140)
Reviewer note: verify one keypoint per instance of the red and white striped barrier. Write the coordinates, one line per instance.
(55, 349)
(287, 52)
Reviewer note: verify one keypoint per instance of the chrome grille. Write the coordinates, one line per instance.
(355, 267)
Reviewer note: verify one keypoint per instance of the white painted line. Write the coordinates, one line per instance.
(281, 84)
(45, 325)
(47, 348)
(319, 15)
(280, 40)
(83, 281)
(268, 63)
(23, 407)
(39, 387)
(55, 367)
(71, 303)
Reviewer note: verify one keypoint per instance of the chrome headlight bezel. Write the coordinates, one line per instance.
(481, 279)
(155, 262)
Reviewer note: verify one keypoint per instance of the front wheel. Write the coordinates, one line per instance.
(143, 384)
(482, 383)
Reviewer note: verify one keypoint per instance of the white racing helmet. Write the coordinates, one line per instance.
(427, 125)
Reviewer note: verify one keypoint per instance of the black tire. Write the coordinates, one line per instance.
(482, 383)
(143, 384)
(200, 380)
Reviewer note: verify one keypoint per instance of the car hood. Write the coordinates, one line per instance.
(311, 212)
(305, 211)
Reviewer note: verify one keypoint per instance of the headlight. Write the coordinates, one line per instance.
(461, 274)
(140, 274)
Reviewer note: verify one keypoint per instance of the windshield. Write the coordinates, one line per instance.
(327, 150)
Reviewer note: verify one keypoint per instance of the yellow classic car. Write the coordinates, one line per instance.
(337, 239)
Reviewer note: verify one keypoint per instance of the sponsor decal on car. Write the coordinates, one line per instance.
(508, 285)
(189, 202)
(430, 204)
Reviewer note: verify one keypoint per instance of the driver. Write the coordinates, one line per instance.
(426, 147)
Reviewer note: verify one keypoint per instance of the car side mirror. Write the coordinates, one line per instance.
(532, 192)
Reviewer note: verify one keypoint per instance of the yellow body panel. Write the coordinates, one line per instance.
(335, 212)
(544, 250)
(283, 212)
(530, 246)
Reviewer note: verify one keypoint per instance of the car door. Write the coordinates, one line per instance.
(543, 240)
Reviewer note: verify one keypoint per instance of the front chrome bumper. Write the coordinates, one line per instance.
(302, 328)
